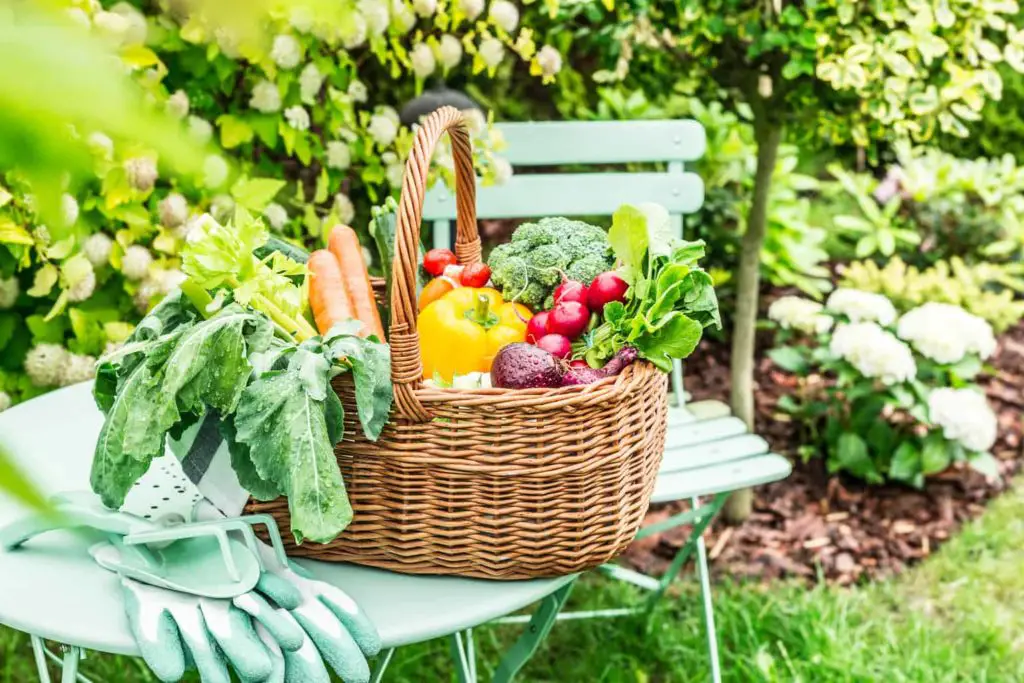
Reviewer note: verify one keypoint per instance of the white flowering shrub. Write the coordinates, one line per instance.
(886, 397)
(301, 125)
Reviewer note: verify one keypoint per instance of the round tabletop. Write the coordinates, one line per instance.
(52, 588)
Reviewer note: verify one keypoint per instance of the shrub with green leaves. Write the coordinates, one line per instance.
(882, 395)
(930, 206)
(300, 124)
(987, 290)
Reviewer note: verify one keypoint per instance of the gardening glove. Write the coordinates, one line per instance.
(175, 630)
(338, 629)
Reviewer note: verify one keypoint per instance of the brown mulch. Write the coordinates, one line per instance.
(813, 525)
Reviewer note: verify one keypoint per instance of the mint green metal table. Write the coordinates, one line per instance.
(53, 590)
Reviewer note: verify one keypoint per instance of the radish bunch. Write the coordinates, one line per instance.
(577, 308)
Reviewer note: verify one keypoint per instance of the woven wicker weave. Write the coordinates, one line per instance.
(493, 483)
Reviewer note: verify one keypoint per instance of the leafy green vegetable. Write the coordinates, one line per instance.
(283, 420)
(222, 256)
(272, 399)
(670, 298)
(370, 362)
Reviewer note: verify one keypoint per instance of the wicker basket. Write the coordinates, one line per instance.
(494, 483)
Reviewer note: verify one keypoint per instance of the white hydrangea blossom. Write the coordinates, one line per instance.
(136, 262)
(475, 121)
(9, 291)
(5, 401)
(449, 50)
(798, 313)
(357, 92)
(964, 416)
(144, 295)
(382, 129)
(946, 333)
(550, 60)
(505, 15)
(393, 173)
(297, 117)
(354, 34)
(310, 81)
(343, 208)
(276, 215)
(286, 51)
(492, 52)
(338, 155)
(135, 33)
(112, 27)
(471, 8)
(141, 172)
(402, 17)
(200, 129)
(874, 352)
(422, 59)
(186, 230)
(215, 171)
(221, 208)
(861, 306)
(376, 14)
(44, 362)
(69, 209)
(97, 248)
(178, 104)
(168, 280)
(76, 369)
(265, 97)
(78, 16)
(502, 170)
(84, 287)
(101, 145)
(301, 18)
(425, 8)
(173, 210)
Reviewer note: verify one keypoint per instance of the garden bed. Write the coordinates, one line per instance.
(814, 525)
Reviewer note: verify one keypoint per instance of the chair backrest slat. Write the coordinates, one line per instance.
(602, 142)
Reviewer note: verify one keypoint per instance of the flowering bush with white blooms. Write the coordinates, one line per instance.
(883, 398)
(301, 124)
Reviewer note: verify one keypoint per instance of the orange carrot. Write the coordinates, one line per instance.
(344, 244)
(327, 295)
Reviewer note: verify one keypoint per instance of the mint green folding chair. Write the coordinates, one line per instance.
(708, 452)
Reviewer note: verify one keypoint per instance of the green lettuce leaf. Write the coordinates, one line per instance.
(676, 337)
(241, 462)
(282, 419)
(370, 363)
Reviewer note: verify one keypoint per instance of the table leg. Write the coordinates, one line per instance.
(463, 655)
(39, 651)
(72, 655)
(536, 631)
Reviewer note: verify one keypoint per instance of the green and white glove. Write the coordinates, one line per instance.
(176, 631)
(338, 629)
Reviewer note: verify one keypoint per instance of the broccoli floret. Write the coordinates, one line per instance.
(528, 268)
(587, 268)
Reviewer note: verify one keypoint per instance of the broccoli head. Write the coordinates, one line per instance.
(531, 265)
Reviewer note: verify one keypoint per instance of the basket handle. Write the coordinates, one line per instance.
(406, 364)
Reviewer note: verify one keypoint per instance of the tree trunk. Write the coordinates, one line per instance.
(748, 284)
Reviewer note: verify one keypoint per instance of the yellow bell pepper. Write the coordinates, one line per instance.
(462, 331)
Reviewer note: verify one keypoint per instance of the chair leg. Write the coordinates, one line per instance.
(39, 652)
(705, 594)
(536, 631)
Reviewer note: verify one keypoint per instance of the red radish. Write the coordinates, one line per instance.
(435, 261)
(476, 275)
(569, 318)
(571, 290)
(605, 288)
(555, 344)
(537, 327)
(588, 375)
(579, 363)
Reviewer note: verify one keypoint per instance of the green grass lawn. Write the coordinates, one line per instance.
(958, 617)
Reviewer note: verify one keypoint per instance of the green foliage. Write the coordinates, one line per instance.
(529, 267)
(272, 109)
(883, 398)
(930, 206)
(988, 290)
